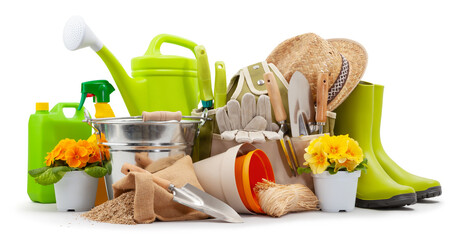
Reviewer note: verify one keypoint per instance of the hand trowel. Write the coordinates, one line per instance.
(301, 105)
(192, 197)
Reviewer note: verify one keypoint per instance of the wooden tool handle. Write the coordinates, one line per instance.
(322, 97)
(162, 182)
(142, 159)
(275, 96)
(162, 116)
(127, 168)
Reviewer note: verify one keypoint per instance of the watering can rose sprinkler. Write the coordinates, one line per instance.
(158, 83)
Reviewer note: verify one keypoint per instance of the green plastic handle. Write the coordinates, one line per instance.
(156, 43)
(220, 85)
(58, 108)
(100, 88)
(203, 74)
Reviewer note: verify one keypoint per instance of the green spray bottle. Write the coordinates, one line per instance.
(45, 130)
(100, 90)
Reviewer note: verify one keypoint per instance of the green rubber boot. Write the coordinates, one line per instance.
(424, 187)
(376, 189)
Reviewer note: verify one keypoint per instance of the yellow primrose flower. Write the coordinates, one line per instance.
(342, 151)
(92, 138)
(317, 160)
(349, 164)
(354, 152)
(351, 158)
(335, 146)
(95, 138)
(102, 151)
(310, 148)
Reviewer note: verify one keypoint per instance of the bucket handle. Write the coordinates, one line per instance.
(89, 121)
(156, 43)
(204, 118)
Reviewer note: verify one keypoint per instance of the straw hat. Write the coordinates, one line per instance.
(345, 59)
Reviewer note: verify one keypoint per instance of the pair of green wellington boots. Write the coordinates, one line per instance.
(385, 184)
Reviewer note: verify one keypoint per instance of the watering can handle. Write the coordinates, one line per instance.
(156, 43)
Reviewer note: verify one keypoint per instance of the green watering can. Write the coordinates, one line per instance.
(158, 83)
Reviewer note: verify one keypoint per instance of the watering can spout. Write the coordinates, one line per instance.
(120, 76)
(77, 35)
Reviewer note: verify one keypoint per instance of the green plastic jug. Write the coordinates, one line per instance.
(159, 82)
(46, 129)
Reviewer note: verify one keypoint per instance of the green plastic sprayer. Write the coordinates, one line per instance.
(158, 83)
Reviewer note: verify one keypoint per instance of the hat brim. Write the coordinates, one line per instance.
(357, 57)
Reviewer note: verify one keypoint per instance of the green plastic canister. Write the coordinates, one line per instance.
(46, 129)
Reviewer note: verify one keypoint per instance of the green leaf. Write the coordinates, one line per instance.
(109, 167)
(331, 171)
(60, 169)
(37, 172)
(52, 175)
(363, 166)
(301, 170)
(58, 163)
(96, 171)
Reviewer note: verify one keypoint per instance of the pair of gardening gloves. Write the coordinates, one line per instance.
(250, 121)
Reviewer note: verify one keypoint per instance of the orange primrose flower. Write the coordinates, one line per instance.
(76, 155)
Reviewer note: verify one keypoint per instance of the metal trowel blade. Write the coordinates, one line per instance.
(195, 198)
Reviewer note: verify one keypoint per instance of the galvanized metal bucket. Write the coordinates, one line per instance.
(127, 137)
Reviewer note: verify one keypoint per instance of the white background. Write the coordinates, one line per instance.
(412, 52)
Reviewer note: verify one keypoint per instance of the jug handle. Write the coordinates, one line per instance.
(156, 43)
(60, 106)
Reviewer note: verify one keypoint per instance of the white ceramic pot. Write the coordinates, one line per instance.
(76, 191)
(336, 192)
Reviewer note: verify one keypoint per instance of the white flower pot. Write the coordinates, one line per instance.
(76, 191)
(336, 192)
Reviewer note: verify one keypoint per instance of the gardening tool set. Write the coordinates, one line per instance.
(264, 133)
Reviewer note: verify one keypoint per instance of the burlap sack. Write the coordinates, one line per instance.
(154, 202)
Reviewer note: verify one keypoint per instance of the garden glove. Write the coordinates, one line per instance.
(249, 122)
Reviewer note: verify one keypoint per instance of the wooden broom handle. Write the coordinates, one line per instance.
(127, 168)
(322, 97)
(275, 96)
(161, 116)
